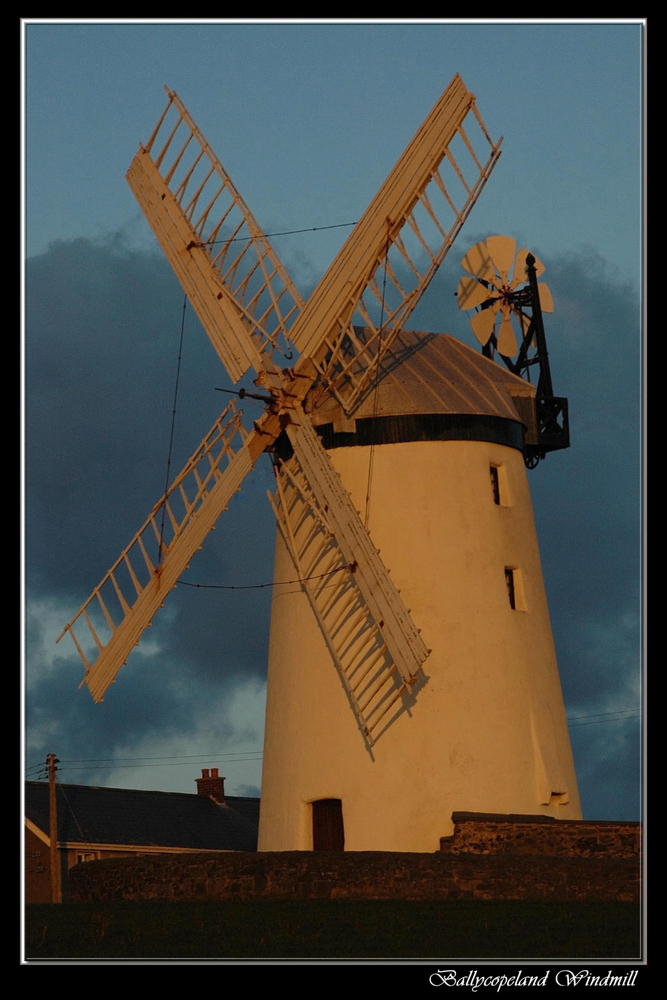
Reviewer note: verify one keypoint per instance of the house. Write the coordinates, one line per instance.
(97, 823)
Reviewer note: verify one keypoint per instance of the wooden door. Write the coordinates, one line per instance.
(328, 834)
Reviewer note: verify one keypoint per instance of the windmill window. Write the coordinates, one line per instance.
(509, 580)
(328, 833)
(495, 485)
(499, 487)
(515, 591)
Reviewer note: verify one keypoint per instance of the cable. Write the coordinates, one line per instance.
(260, 586)
(598, 715)
(176, 756)
(594, 720)
(38, 767)
(173, 424)
(183, 763)
(371, 459)
(174, 760)
(286, 232)
(62, 789)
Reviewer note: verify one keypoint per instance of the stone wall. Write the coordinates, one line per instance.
(484, 833)
(355, 875)
(488, 857)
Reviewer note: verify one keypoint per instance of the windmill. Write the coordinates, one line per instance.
(373, 735)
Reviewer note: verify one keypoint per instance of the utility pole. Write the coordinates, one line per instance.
(56, 889)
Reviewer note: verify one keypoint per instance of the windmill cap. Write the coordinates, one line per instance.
(428, 373)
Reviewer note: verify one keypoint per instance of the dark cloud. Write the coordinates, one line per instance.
(587, 499)
(608, 761)
(103, 325)
(102, 338)
(588, 513)
(101, 351)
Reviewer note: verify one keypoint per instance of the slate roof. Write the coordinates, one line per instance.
(91, 815)
(436, 373)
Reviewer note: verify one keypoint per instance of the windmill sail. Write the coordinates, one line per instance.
(402, 637)
(371, 677)
(408, 229)
(238, 287)
(121, 607)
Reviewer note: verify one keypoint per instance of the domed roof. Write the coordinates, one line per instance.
(429, 373)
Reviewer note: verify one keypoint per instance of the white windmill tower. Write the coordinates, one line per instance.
(381, 720)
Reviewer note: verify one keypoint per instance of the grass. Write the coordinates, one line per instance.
(334, 929)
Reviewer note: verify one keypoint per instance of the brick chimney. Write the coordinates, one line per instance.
(211, 785)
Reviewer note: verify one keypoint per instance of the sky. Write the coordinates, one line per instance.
(309, 119)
